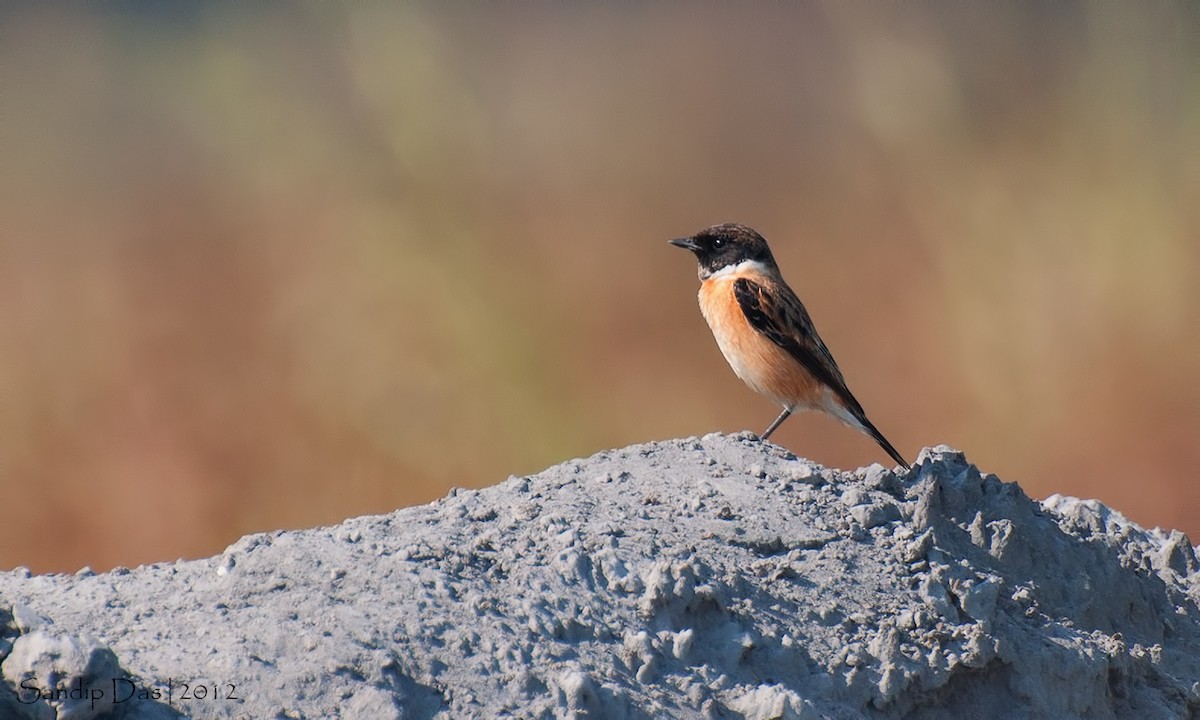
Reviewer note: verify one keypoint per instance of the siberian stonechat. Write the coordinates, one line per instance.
(765, 333)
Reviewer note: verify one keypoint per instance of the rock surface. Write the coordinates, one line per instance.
(716, 577)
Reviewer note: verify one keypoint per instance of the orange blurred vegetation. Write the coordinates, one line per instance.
(273, 266)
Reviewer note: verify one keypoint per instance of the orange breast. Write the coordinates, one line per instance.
(764, 366)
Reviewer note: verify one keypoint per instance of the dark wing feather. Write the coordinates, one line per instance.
(784, 321)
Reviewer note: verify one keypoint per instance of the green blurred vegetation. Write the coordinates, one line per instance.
(270, 266)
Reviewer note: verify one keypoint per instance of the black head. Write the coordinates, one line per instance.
(722, 246)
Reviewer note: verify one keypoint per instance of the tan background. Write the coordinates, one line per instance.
(274, 268)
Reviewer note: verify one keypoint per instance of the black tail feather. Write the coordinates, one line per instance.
(883, 443)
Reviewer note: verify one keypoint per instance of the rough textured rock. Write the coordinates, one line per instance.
(711, 577)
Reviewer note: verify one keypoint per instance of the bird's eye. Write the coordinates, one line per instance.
(718, 243)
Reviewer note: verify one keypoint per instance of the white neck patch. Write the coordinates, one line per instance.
(745, 266)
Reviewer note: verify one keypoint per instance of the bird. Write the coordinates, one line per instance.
(766, 334)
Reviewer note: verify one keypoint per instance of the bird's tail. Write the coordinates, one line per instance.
(870, 429)
(856, 418)
(849, 411)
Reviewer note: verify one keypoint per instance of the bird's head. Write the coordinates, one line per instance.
(724, 247)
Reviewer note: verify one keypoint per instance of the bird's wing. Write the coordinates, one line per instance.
(781, 317)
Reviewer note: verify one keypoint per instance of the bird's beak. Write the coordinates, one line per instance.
(686, 243)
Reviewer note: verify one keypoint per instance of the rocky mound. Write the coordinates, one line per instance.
(712, 577)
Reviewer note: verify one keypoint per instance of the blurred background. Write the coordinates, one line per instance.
(273, 266)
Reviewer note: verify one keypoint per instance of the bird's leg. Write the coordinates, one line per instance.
(778, 421)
